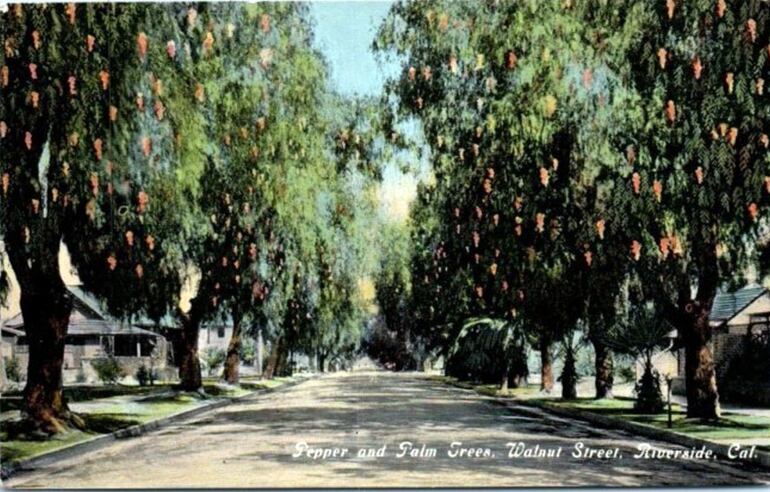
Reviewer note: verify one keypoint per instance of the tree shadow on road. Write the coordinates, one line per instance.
(435, 416)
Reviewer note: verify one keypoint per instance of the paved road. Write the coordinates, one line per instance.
(250, 444)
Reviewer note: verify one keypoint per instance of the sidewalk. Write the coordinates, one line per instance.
(122, 415)
(585, 389)
(734, 429)
(728, 408)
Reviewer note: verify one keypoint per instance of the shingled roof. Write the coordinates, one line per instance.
(728, 304)
(87, 318)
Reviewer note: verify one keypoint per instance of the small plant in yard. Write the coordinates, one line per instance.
(649, 398)
(213, 358)
(108, 370)
(625, 371)
(248, 351)
(641, 333)
(80, 377)
(143, 375)
(12, 369)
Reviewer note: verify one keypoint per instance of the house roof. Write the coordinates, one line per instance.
(85, 302)
(82, 326)
(86, 319)
(728, 304)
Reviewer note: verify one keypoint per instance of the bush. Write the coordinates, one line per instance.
(626, 372)
(649, 398)
(486, 349)
(108, 370)
(248, 350)
(12, 370)
(80, 377)
(213, 358)
(144, 375)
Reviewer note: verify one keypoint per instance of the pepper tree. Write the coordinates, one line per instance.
(510, 120)
(264, 116)
(695, 181)
(83, 165)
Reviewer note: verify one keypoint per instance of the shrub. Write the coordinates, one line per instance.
(486, 349)
(145, 376)
(213, 358)
(248, 350)
(142, 375)
(626, 372)
(108, 370)
(12, 370)
(649, 398)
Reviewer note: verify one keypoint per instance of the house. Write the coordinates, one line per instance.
(215, 335)
(740, 322)
(212, 335)
(93, 335)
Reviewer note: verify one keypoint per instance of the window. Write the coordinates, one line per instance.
(125, 346)
(133, 346)
(75, 340)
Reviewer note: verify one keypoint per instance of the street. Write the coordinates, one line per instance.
(310, 435)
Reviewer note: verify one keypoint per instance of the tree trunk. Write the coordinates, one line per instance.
(283, 367)
(603, 364)
(272, 361)
(233, 359)
(546, 365)
(189, 362)
(46, 310)
(321, 361)
(700, 374)
(45, 307)
(504, 380)
(569, 377)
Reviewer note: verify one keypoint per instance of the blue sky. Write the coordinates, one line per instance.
(344, 32)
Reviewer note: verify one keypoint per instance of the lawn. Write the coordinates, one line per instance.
(108, 409)
(730, 428)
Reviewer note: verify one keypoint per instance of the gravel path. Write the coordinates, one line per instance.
(251, 444)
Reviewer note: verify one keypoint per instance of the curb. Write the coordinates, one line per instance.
(762, 457)
(103, 440)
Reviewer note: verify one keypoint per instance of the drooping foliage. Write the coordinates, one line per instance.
(576, 143)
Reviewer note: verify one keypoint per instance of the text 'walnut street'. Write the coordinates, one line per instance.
(512, 450)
